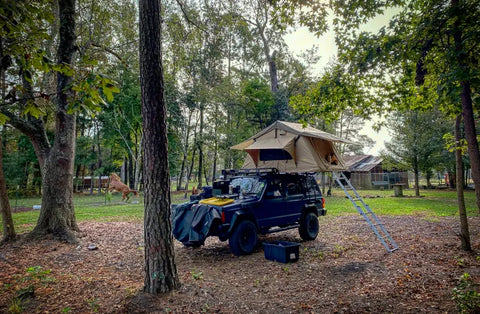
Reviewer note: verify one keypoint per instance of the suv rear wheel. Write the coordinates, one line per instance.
(309, 227)
(244, 238)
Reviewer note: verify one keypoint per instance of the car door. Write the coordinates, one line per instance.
(294, 198)
(280, 206)
(272, 206)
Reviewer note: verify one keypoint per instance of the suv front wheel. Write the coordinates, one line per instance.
(309, 227)
(244, 238)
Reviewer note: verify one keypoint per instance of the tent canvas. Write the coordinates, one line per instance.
(290, 147)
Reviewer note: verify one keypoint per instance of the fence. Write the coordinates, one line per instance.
(86, 183)
(384, 180)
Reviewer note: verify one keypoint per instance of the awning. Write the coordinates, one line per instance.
(280, 148)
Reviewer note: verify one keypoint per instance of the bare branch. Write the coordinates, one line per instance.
(110, 51)
(25, 99)
(185, 15)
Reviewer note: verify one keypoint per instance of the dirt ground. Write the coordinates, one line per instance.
(346, 270)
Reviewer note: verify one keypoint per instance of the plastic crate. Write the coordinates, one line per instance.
(281, 251)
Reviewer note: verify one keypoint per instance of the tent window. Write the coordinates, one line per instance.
(274, 154)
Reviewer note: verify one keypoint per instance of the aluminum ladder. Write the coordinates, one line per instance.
(364, 210)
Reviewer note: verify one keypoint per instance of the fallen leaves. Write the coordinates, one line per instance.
(346, 269)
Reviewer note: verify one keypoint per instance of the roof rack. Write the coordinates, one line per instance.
(255, 171)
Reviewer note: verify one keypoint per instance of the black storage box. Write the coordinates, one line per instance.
(281, 251)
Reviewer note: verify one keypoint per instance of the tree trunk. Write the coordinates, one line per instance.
(160, 269)
(451, 180)
(467, 106)
(205, 173)
(189, 174)
(215, 145)
(185, 153)
(428, 176)
(272, 67)
(324, 182)
(57, 215)
(215, 157)
(471, 137)
(200, 149)
(464, 233)
(200, 167)
(123, 169)
(415, 172)
(130, 172)
(99, 160)
(92, 177)
(8, 227)
(77, 174)
(228, 154)
(7, 221)
(182, 172)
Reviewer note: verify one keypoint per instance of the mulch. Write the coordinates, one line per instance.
(345, 270)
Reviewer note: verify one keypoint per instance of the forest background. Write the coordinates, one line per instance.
(229, 72)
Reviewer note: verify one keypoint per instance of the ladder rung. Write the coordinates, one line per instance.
(368, 212)
(365, 210)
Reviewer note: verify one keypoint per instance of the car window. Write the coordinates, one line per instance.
(275, 189)
(312, 186)
(248, 185)
(293, 188)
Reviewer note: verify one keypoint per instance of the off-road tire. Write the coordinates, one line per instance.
(309, 227)
(244, 238)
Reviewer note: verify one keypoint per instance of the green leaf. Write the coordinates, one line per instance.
(32, 109)
(28, 76)
(108, 93)
(3, 119)
(63, 68)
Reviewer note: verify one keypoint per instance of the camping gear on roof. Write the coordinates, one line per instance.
(290, 147)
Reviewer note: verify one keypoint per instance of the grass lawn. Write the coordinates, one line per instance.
(382, 202)
(432, 203)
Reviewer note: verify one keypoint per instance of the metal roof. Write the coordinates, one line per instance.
(362, 163)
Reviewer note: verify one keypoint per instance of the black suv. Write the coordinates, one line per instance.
(251, 201)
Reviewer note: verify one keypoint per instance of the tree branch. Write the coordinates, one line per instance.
(110, 51)
(185, 15)
(25, 99)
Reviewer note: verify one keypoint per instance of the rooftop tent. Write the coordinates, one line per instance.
(290, 147)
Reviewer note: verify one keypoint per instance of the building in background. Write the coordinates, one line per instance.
(366, 172)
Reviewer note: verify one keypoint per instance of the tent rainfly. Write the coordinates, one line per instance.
(290, 147)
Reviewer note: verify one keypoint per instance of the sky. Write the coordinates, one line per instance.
(301, 40)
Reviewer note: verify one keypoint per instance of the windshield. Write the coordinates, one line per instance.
(248, 185)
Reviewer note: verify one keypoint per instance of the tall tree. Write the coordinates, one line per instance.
(462, 212)
(435, 41)
(258, 14)
(30, 106)
(417, 140)
(465, 62)
(160, 269)
(8, 227)
(57, 215)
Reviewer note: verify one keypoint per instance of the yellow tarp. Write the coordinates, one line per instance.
(216, 201)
